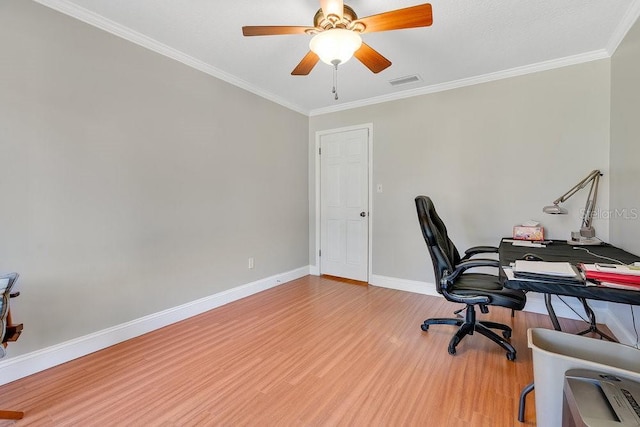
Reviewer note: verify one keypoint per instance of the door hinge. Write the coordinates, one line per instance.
(320, 252)
(319, 151)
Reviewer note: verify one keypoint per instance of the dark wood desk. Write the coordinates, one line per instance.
(562, 251)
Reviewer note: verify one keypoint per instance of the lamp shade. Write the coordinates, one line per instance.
(335, 46)
(555, 210)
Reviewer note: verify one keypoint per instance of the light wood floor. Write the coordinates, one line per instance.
(315, 351)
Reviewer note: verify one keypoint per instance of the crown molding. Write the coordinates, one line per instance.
(98, 21)
(623, 28)
(499, 75)
(93, 19)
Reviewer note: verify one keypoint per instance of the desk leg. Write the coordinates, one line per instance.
(593, 327)
(552, 312)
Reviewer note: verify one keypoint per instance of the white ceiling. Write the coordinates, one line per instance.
(470, 41)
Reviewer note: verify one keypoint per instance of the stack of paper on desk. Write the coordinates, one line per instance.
(561, 272)
(614, 276)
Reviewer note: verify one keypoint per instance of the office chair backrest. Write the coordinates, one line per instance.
(444, 254)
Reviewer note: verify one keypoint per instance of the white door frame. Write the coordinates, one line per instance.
(319, 135)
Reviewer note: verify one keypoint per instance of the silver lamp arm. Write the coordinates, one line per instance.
(595, 174)
(586, 229)
(587, 217)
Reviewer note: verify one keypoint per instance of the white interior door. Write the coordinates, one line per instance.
(344, 204)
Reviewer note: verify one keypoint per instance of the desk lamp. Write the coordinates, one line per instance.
(587, 234)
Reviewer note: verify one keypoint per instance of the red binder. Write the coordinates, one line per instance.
(605, 276)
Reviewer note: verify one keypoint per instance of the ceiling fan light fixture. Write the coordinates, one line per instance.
(335, 46)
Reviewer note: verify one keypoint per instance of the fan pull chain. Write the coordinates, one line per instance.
(335, 80)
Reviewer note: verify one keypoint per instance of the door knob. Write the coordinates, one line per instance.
(363, 214)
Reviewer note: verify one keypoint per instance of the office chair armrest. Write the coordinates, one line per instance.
(463, 299)
(479, 250)
(464, 265)
(449, 278)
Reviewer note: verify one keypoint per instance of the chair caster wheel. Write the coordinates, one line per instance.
(424, 327)
(452, 345)
(511, 356)
(506, 334)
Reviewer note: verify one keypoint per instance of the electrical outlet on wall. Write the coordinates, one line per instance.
(250, 263)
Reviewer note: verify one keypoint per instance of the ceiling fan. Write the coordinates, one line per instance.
(338, 28)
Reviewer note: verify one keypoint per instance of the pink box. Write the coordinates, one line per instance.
(521, 232)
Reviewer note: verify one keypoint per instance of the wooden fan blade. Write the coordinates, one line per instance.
(371, 58)
(332, 7)
(410, 17)
(274, 30)
(306, 65)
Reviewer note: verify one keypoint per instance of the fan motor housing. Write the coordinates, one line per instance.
(324, 22)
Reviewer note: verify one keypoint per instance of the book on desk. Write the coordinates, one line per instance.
(553, 272)
(607, 275)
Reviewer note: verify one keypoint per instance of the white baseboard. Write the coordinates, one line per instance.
(621, 330)
(404, 285)
(24, 365)
(535, 301)
(535, 304)
(21, 366)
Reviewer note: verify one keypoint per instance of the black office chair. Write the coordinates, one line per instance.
(457, 285)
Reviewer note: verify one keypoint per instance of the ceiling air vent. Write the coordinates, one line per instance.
(405, 80)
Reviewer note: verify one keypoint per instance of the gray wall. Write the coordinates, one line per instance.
(625, 142)
(132, 183)
(625, 153)
(490, 155)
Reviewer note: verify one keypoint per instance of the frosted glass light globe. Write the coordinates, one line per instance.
(335, 46)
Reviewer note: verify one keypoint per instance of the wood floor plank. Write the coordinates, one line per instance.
(315, 351)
